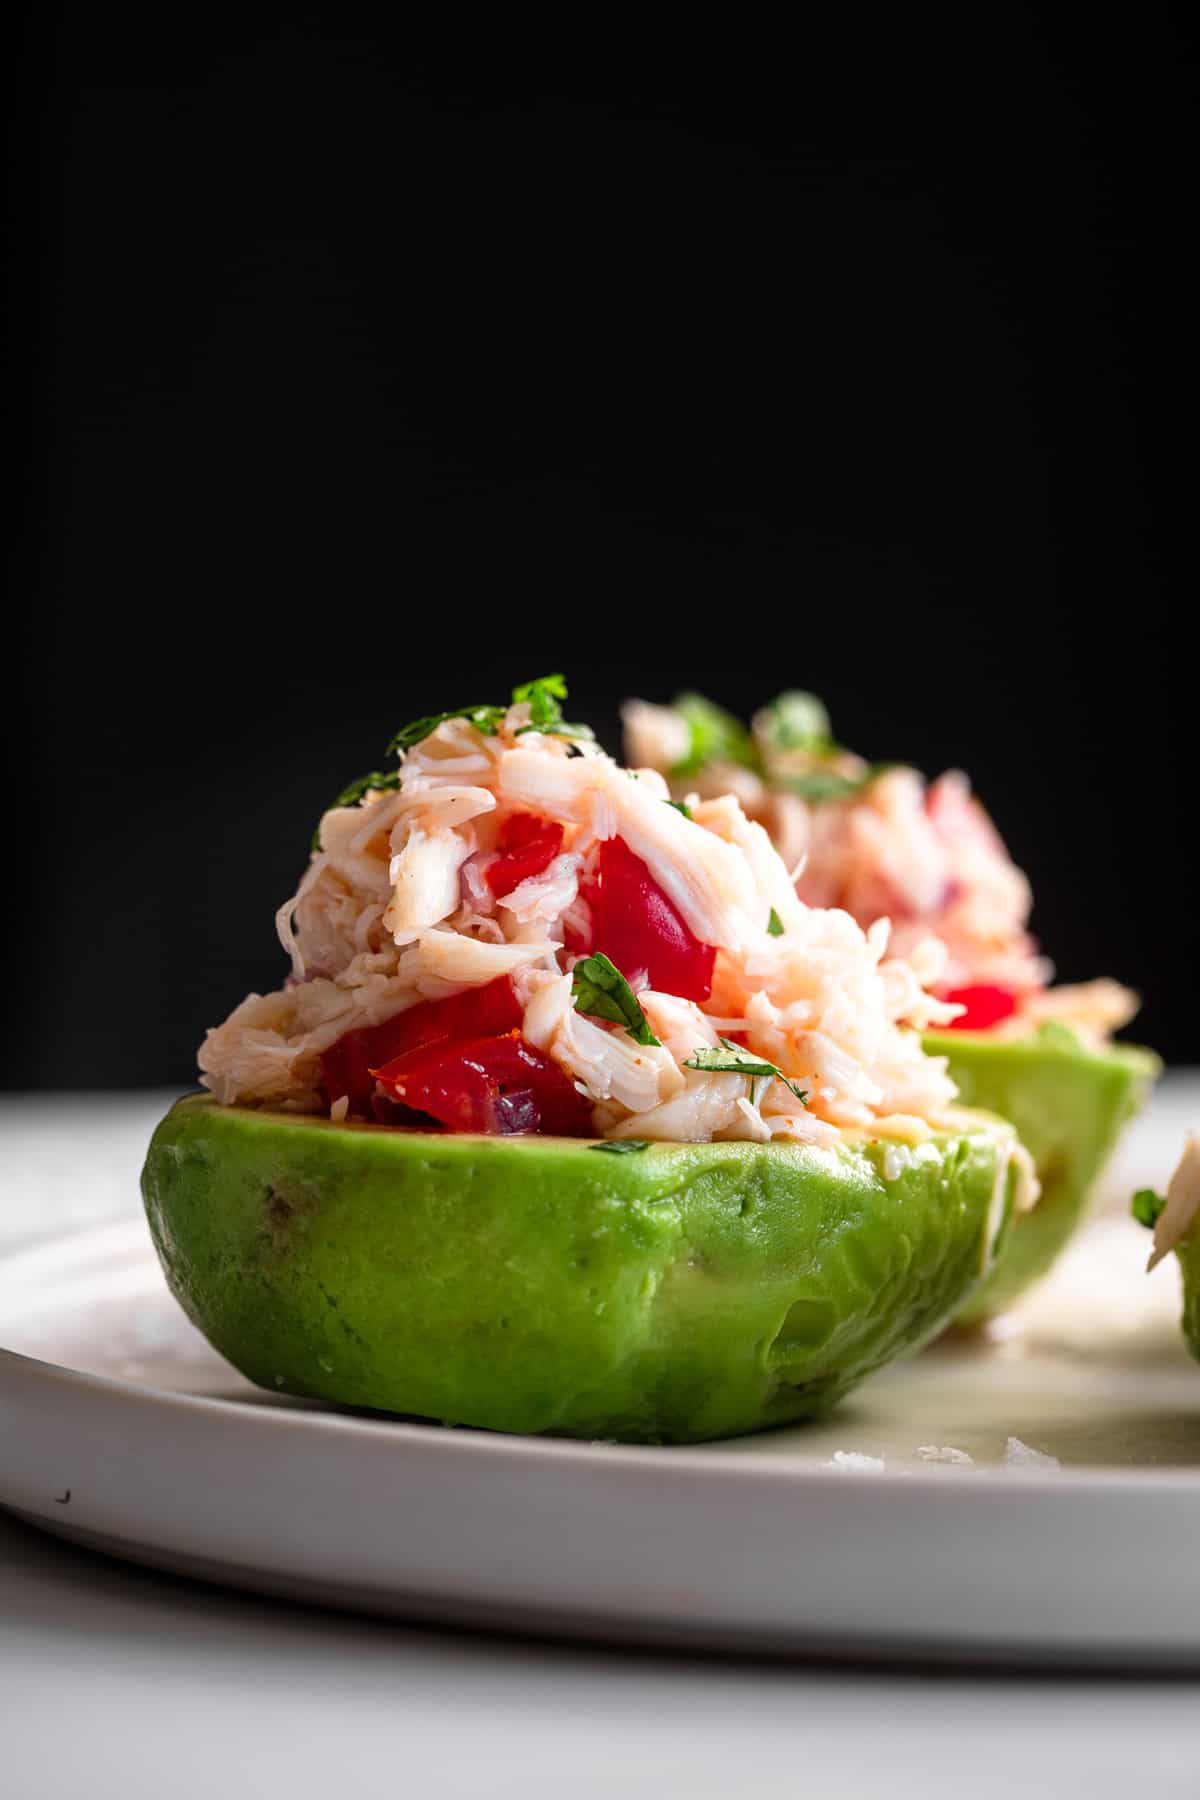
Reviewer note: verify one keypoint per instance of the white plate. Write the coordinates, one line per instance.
(120, 1428)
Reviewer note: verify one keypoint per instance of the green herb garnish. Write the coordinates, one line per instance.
(599, 988)
(545, 713)
(375, 782)
(681, 807)
(735, 1059)
(797, 721)
(793, 721)
(775, 924)
(819, 785)
(716, 736)
(622, 1146)
(1147, 1207)
(543, 696)
(485, 719)
(353, 792)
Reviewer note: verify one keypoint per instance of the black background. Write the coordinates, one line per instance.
(366, 376)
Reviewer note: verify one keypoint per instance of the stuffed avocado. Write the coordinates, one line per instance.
(538, 1284)
(877, 841)
(571, 1114)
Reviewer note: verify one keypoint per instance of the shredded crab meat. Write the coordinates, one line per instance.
(544, 899)
(927, 857)
(396, 907)
(424, 878)
(704, 877)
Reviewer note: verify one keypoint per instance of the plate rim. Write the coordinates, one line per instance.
(469, 1486)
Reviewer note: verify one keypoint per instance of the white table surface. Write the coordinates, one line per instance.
(118, 1682)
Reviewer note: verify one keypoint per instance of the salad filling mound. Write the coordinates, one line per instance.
(877, 840)
(508, 932)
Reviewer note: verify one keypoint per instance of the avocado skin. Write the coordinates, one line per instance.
(1069, 1105)
(683, 1292)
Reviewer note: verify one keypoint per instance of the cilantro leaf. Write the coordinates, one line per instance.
(819, 785)
(716, 736)
(735, 1059)
(563, 730)
(775, 924)
(682, 807)
(375, 782)
(543, 696)
(599, 988)
(797, 721)
(1147, 1207)
(545, 713)
(622, 1146)
(485, 719)
(353, 792)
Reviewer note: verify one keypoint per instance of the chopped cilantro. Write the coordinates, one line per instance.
(353, 792)
(716, 736)
(1147, 1207)
(681, 807)
(599, 988)
(734, 1059)
(797, 721)
(775, 924)
(563, 730)
(820, 785)
(485, 719)
(543, 696)
(545, 714)
(622, 1146)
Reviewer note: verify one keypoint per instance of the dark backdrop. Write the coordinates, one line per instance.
(367, 376)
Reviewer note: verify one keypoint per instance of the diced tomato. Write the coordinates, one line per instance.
(391, 1112)
(639, 929)
(476, 1012)
(528, 844)
(985, 1005)
(522, 828)
(500, 1085)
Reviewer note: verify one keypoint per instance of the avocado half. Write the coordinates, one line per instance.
(675, 1293)
(1069, 1104)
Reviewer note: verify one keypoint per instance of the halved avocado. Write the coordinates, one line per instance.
(675, 1293)
(1069, 1104)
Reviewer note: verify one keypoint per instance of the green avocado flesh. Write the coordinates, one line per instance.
(1189, 1262)
(681, 1292)
(1068, 1104)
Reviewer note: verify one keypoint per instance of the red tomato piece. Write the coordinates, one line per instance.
(476, 1012)
(528, 844)
(499, 1085)
(985, 1005)
(639, 929)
